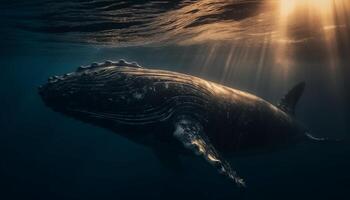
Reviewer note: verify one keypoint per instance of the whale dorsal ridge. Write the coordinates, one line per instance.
(289, 101)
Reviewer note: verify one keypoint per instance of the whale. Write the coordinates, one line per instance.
(177, 114)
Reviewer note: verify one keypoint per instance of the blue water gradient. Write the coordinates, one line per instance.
(45, 155)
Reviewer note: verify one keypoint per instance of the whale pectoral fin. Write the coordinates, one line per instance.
(191, 134)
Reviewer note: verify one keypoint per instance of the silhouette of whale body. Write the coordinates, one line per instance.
(168, 111)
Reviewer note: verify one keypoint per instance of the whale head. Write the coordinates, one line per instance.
(97, 91)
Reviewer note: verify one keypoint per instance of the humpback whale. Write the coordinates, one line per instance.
(175, 112)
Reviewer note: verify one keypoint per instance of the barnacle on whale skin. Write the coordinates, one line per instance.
(109, 63)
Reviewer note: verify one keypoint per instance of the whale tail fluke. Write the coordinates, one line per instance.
(290, 100)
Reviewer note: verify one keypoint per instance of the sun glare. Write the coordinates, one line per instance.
(273, 38)
(322, 17)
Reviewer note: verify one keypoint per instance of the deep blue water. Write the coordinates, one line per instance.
(45, 155)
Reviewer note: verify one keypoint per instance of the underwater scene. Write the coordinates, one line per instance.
(175, 99)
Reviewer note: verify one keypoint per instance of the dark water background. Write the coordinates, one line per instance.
(45, 155)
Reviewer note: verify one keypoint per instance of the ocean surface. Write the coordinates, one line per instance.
(263, 47)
